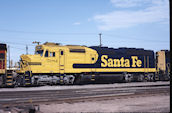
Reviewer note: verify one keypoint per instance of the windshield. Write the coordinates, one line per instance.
(39, 52)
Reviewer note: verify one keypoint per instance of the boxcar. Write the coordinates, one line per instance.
(163, 64)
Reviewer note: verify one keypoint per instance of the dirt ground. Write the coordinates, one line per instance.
(156, 103)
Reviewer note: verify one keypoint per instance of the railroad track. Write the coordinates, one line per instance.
(17, 98)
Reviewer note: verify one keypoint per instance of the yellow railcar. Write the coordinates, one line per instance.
(163, 64)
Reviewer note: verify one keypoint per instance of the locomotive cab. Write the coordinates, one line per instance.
(54, 62)
(41, 61)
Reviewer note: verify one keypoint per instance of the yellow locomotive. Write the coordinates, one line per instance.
(53, 63)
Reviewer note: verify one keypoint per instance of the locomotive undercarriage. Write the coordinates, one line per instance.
(52, 79)
(43, 79)
(29, 79)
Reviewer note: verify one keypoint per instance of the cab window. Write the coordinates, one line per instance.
(52, 54)
(39, 52)
(46, 54)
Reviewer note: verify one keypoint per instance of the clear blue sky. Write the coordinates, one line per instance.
(123, 23)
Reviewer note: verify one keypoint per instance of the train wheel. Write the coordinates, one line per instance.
(78, 79)
(127, 77)
(141, 78)
(151, 77)
(68, 79)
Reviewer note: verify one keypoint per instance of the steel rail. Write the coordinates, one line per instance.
(56, 95)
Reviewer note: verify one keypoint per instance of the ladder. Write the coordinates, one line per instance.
(9, 78)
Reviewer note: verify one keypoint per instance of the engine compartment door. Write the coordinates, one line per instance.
(61, 61)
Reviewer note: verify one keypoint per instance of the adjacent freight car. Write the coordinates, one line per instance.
(3, 65)
(53, 64)
(6, 75)
(163, 64)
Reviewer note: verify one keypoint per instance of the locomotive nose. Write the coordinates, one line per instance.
(25, 58)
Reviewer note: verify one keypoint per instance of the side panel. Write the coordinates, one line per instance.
(61, 61)
(80, 55)
(93, 58)
(121, 60)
